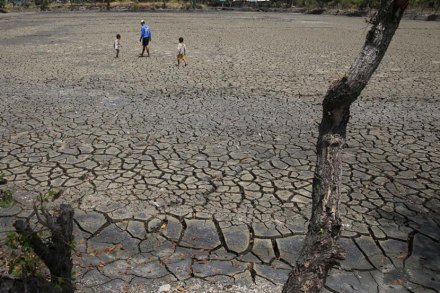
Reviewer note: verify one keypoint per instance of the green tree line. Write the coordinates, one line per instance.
(427, 6)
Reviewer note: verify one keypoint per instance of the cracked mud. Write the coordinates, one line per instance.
(201, 176)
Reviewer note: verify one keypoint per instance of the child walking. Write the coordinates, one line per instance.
(117, 44)
(181, 52)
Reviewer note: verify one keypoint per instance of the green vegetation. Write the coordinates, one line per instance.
(44, 5)
(135, 6)
(45, 197)
(427, 6)
(24, 261)
(51, 239)
(6, 199)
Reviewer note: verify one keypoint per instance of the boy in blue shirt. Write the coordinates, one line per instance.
(145, 38)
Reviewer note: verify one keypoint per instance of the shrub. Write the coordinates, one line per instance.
(6, 199)
(135, 6)
(44, 5)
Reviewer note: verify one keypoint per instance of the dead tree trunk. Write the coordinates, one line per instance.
(56, 254)
(320, 250)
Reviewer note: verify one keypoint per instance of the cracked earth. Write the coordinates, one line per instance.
(200, 177)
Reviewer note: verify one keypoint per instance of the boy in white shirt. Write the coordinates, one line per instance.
(181, 52)
(117, 44)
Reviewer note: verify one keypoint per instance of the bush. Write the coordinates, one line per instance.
(44, 5)
(349, 4)
(27, 4)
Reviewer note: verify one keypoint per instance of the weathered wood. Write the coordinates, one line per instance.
(320, 250)
(56, 254)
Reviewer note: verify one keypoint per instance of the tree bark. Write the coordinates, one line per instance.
(320, 250)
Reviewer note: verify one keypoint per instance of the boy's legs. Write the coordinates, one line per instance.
(145, 48)
(117, 53)
(145, 42)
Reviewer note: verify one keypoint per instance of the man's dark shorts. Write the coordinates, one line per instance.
(145, 41)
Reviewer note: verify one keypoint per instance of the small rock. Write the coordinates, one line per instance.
(164, 288)
(154, 225)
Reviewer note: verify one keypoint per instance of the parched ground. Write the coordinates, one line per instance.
(200, 177)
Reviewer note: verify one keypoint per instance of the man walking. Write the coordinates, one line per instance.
(145, 38)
